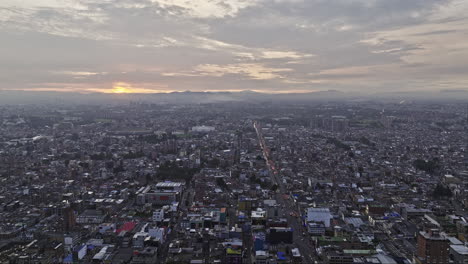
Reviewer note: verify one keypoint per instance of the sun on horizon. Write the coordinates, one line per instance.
(121, 88)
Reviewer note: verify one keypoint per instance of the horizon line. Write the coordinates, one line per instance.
(111, 92)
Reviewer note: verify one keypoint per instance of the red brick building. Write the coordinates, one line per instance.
(433, 248)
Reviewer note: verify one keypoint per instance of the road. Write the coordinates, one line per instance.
(288, 206)
(187, 195)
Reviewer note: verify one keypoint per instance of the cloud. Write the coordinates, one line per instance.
(283, 55)
(207, 9)
(78, 73)
(252, 71)
(440, 42)
(280, 45)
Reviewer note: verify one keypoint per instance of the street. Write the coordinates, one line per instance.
(287, 205)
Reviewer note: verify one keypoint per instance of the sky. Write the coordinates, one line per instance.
(274, 46)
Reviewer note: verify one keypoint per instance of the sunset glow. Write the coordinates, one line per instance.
(121, 88)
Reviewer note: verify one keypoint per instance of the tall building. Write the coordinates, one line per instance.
(387, 121)
(238, 147)
(433, 248)
(69, 219)
(333, 123)
(339, 123)
(466, 137)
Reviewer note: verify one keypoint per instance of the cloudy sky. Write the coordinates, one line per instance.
(219, 45)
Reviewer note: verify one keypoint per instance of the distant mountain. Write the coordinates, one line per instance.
(187, 97)
(453, 91)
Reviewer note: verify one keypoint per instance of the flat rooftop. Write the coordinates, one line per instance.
(168, 184)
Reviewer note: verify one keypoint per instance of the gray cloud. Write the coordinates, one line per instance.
(281, 45)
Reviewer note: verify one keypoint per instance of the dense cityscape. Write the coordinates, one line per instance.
(233, 182)
(233, 132)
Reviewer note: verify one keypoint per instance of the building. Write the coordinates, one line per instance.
(139, 239)
(459, 254)
(339, 123)
(333, 123)
(69, 219)
(169, 186)
(158, 234)
(261, 257)
(433, 248)
(158, 216)
(161, 198)
(296, 255)
(319, 215)
(277, 235)
(233, 256)
(164, 193)
(91, 217)
(145, 255)
(316, 229)
(411, 212)
(203, 129)
(258, 217)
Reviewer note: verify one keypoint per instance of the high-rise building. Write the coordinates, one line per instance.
(69, 219)
(339, 123)
(333, 123)
(433, 248)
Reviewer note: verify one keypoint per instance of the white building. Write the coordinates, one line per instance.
(106, 226)
(319, 215)
(203, 128)
(158, 216)
(157, 233)
(261, 257)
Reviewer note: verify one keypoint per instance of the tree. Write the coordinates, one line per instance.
(132, 155)
(441, 191)
(338, 143)
(214, 163)
(170, 170)
(375, 241)
(221, 183)
(118, 169)
(253, 179)
(274, 187)
(428, 166)
(365, 141)
(99, 156)
(75, 137)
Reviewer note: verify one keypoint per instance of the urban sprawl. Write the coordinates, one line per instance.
(232, 182)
